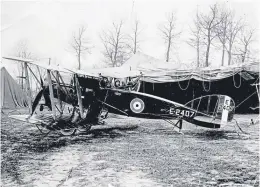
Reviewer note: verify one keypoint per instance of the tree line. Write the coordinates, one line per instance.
(216, 29)
(219, 28)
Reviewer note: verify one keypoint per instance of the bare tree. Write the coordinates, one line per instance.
(80, 44)
(169, 34)
(246, 38)
(22, 51)
(134, 37)
(209, 23)
(195, 40)
(115, 44)
(221, 31)
(233, 29)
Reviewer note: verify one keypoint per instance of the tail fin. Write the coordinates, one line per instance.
(218, 109)
(225, 109)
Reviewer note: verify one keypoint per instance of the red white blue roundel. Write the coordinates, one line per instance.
(137, 105)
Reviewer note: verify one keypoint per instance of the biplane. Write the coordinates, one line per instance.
(89, 97)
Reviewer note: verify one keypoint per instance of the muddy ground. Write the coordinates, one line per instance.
(131, 152)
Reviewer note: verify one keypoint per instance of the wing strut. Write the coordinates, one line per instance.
(27, 84)
(51, 94)
(79, 95)
(58, 92)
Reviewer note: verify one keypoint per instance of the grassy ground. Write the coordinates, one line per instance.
(131, 152)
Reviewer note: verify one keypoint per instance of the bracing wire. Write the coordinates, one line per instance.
(246, 99)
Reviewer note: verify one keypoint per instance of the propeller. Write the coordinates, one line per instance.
(45, 93)
(37, 100)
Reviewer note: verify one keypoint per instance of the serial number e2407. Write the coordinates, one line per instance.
(180, 112)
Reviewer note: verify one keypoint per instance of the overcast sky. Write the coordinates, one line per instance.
(48, 25)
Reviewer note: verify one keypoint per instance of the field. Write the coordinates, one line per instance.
(131, 152)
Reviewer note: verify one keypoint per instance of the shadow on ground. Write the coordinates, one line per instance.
(153, 148)
(215, 135)
(34, 141)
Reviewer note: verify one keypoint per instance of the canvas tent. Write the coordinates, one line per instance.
(11, 95)
(181, 83)
(145, 63)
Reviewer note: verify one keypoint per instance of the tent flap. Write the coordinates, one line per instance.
(11, 94)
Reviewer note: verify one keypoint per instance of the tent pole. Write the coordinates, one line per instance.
(27, 84)
(192, 102)
(79, 96)
(22, 66)
(51, 94)
(209, 98)
(257, 90)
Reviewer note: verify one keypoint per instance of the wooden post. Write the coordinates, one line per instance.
(27, 84)
(79, 95)
(51, 94)
(180, 125)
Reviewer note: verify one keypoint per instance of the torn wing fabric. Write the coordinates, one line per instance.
(11, 95)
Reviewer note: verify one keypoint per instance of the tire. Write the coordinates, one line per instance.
(84, 128)
(68, 132)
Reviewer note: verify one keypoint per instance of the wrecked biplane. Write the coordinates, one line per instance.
(90, 96)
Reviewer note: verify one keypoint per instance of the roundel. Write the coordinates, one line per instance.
(137, 105)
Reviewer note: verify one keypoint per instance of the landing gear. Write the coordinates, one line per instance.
(180, 124)
(103, 113)
(176, 124)
(42, 129)
(240, 129)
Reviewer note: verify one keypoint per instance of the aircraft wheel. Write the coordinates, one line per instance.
(84, 128)
(68, 132)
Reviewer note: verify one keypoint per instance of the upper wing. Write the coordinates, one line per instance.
(115, 72)
(33, 62)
